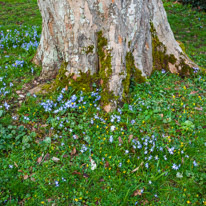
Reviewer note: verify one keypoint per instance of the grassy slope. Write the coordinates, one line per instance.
(19, 12)
(167, 110)
(189, 27)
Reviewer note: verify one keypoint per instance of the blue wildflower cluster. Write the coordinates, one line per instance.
(63, 104)
(196, 70)
(26, 38)
(18, 63)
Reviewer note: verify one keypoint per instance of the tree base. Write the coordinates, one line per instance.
(112, 41)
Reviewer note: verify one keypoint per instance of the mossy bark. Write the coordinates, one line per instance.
(108, 42)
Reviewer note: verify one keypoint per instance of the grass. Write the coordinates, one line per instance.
(15, 13)
(188, 26)
(61, 148)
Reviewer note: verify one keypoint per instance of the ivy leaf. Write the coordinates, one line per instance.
(25, 139)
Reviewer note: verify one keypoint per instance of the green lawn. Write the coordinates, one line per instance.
(189, 27)
(61, 148)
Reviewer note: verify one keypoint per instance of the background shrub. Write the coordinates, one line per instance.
(195, 3)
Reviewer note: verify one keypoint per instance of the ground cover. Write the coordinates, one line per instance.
(61, 148)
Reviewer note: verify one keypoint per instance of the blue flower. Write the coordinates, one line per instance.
(133, 121)
(111, 139)
(57, 183)
(6, 106)
(163, 71)
(175, 167)
(195, 163)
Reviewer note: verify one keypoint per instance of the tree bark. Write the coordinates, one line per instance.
(85, 33)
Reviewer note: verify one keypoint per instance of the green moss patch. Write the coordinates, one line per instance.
(87, 81)
(133, 74)
(161, 60)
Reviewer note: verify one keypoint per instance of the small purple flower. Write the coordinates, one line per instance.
(75, 136)
(111, 139)
(133, 121)
(175, 167)
(130, 108)
(57, 183)
(163, 71)
(195, 163)
(6, 106)
(196, 69)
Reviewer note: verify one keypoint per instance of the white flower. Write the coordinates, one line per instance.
(156, 157)
(64, 180)
(179, 175)
(93, 165)
(112, 128)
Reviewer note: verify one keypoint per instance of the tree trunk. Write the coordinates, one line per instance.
(115, 39)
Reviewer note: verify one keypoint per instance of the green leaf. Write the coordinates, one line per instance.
(47, 140)
(25, 139)
(1, 113)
